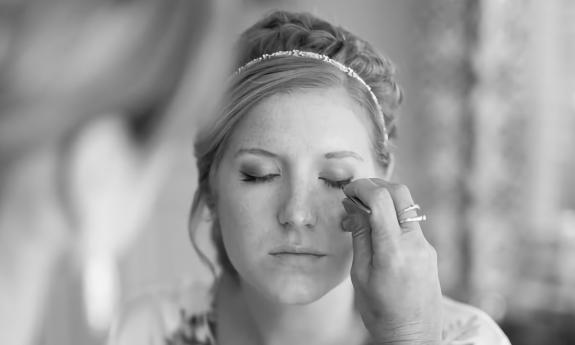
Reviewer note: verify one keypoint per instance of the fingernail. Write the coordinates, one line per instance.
(352, 206)
(379, 181)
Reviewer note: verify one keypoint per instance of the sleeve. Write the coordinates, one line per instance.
(466, 325)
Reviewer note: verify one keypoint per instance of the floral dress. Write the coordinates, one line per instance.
(178, 319)
(195, 329)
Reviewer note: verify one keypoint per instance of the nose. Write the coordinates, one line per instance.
(297, 209)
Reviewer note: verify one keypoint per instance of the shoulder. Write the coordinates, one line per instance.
(465, 324)
(155, 315)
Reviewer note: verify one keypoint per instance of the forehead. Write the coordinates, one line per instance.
(312, 119)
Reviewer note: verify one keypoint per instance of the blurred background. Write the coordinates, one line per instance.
(100, 100)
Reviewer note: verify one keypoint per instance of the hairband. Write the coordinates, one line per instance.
(324, 58)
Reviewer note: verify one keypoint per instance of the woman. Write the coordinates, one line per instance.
(315, 245)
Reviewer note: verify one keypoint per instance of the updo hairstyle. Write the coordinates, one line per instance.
(284, 31)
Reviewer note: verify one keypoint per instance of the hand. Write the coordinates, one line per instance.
(394, 270)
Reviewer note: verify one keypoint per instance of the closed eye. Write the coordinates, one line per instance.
(339, 184)
(258, 179)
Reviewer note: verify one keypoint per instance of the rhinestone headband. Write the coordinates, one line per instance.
(324, 58)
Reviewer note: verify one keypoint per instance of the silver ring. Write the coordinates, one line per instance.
(420, 218)
(416, 218)
(409, 208)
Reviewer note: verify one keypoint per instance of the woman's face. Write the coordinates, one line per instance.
(279, 194)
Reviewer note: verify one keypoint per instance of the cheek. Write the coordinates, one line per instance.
(331, 213)
(242, 222)
(337, 242)
(236, 218)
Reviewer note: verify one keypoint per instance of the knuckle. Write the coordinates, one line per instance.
(423, 252)
(381, 194)
(401, 189)
(431, 253)
(355, 276)
(428, 258)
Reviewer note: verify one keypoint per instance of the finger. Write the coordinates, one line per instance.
(379, 201)
(383, 216)
(385, 231)
(362, 248)
(402, 199)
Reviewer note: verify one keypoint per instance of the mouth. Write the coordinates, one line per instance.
(298, 254)
(297, 251)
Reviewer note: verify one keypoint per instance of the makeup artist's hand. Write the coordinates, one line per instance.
(394, 270)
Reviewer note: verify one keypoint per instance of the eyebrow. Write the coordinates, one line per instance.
(343, 154)
(255, 151)
(329, 155)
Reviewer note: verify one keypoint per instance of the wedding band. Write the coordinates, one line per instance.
(417, 218)
(420, 218)
(409, 208)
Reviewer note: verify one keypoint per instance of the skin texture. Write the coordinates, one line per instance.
(295, 207)
(278, 190)
(394, 270)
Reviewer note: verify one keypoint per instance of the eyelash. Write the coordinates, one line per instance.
(258, 179)
(339, 184)
(336, 184)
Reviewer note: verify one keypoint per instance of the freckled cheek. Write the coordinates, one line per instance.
(331, 211)
(236, 216)
(243, 222)
(332, 214)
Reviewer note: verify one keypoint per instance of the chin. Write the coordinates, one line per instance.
(295, 290)
(291, 286)
(297, 295)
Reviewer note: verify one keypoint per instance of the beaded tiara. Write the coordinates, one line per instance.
(326, 59)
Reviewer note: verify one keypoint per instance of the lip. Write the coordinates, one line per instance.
(296, 250)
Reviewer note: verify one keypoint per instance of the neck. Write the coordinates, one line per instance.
(332, 319)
